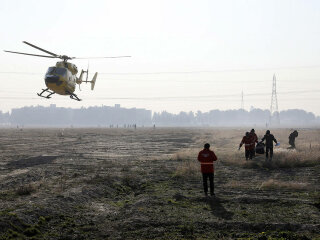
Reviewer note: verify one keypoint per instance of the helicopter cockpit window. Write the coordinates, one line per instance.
(51, 70)
(61, 71)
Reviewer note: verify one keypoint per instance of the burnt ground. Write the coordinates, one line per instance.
(132, 184)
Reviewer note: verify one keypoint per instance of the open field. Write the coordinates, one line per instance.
(146, 184)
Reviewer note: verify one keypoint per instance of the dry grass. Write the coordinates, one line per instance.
(277, 184)
(281, 159)
(293, 159)
(237, 159)
(233, 184)
(187, 169)
(188, 165)
(186, 154)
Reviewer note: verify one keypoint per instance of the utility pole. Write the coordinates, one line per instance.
(274, 112)
(242, 103)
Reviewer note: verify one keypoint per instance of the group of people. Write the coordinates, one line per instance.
(250, 139)
(207, 157)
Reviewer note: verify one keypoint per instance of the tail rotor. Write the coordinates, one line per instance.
(93, 81)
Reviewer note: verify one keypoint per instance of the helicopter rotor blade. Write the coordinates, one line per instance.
(29, 54)
(53, 55)
(41, 49)
(99, 57)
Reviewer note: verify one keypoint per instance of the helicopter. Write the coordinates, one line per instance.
(62, 78)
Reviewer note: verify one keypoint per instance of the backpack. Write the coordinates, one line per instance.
(260, 148)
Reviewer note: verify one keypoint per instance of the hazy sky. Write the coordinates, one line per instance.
(186, 55)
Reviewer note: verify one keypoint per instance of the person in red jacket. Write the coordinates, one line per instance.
(255, 140)
(249, 143)
(206, 157)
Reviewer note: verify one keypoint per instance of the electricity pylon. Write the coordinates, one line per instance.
(274, 113)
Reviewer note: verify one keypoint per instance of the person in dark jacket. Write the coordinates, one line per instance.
(269, 144)
(292, 138)
(206, 157)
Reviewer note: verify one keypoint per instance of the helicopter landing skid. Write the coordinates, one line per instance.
(46, 91)
(74, 97)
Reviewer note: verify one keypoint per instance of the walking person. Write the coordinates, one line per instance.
(248, 142)
(206, 157)
(269, 144)
(292, 138)
(254, 140)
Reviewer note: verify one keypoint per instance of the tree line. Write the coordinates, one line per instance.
(107, 116)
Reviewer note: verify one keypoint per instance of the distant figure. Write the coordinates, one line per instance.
(254, 140)
(269, 144)
(206, 157)
(292, 138)
(248, 142)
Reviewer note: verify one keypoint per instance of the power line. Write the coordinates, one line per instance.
(191, 81)
(204, 80)
(216, 71)
(149, 100)
(192, 97)
(187, 72)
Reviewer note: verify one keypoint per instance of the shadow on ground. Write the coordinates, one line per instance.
(31, 161)
(216, 207)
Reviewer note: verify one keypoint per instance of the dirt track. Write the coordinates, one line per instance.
(125, 183)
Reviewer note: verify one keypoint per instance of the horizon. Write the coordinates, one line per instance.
(111, 116)
(120, 106)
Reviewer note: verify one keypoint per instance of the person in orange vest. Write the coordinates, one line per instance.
(206, 157)
(248, 142)
(255, 140)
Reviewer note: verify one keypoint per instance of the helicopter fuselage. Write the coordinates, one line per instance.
(62, 78)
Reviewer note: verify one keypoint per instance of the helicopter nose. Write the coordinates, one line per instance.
(52, 79)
